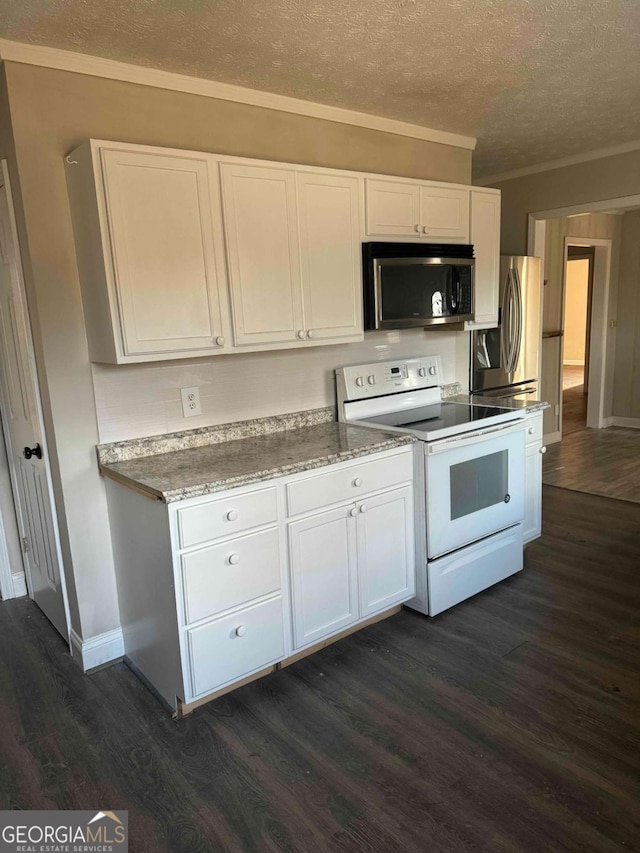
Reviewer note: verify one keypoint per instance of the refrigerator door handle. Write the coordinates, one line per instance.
(504, 324)
(519, 324)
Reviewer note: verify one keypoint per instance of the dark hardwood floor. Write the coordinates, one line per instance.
(509, 723)
(574, 410)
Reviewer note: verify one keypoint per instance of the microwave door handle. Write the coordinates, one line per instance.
(455, 290)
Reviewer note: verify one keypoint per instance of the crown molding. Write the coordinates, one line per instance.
(573, 160)
(95, 66)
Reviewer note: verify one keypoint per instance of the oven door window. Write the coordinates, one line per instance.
(479, 483)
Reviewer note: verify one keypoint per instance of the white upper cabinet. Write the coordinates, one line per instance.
(426, 211)
(485, 236)
(331, 258)
(293, 249)
(263, 253)
(143, 226)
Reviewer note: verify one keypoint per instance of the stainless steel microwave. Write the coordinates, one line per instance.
(417, 284)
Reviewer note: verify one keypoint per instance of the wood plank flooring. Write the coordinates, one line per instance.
(598, 461)
(509, 723)
(574, 410)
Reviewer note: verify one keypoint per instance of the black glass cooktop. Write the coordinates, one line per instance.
(438, 416)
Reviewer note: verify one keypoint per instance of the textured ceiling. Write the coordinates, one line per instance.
(534, 80)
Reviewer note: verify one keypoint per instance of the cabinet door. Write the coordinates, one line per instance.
(485, 236)
(532, 525)
(323, 559)
(159, 213)
(329, 220)
(386, 564)
(444, 212)
(263, 254)
(393, 209)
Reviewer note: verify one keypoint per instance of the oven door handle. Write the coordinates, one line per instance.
(456, 441)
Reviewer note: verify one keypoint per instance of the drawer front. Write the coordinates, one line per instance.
(226, 516)
(350, 483)
(233, 646)
(534, 430)
(231, 573)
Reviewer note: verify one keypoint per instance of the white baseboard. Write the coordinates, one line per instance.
(19, 584)
(606, 422)
(632, 423)
(552, 438)
(573, 362)
(97, 651)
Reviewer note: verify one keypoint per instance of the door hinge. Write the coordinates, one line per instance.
(25, 545)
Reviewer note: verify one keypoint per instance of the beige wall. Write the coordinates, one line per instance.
(626, 395)
(575, 311)
(54, 111)
(583, 183)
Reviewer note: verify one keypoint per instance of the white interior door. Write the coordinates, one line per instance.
(23, 428)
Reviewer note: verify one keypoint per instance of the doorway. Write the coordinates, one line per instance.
(578, 283)
(24, 437)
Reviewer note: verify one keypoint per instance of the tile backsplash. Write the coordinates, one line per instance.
(138, 400)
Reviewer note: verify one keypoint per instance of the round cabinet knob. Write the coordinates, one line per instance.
(433, 370)
(219, 341)
(302, 334)
(425, 230)
(359, 381)
(357, 481)
(363, 507)
(310, 333)
(422, 371)
(232, 515)
(543, 450)
(234, 559)
(353, 511)
(240, 631)
(418, 228)
(371, 379)
(530, 430)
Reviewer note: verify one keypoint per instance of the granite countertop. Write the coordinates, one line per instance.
(192, 471)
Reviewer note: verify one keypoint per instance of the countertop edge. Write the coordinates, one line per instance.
(173, 495)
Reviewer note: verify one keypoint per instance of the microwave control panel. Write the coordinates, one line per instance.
(358, 382)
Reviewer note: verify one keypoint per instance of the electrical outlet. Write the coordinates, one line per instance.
(612, 324)
(190, 401)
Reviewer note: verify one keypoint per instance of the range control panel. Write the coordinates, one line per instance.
(388, 377)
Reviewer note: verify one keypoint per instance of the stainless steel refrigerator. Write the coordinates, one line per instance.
(505, 361)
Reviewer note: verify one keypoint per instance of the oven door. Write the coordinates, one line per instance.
(475, 486)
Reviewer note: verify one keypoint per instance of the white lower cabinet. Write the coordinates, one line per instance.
(229, 647)
(532, 525)
(324, 580)
(386, 567)
(218, 589)
(350, 563)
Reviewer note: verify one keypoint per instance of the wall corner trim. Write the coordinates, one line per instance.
(97, 651)
(95, 66)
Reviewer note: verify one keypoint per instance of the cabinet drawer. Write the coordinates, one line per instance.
(226, 516)
(233, 646)
(231, 573)
(350, 483)
(534, 428)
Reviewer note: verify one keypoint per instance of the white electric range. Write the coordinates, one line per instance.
(470, 475)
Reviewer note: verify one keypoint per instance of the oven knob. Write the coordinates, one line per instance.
(371, 379)
(433, 370)
(422, 371)
(359, 381)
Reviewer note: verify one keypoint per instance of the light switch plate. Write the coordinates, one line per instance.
(190, 401)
